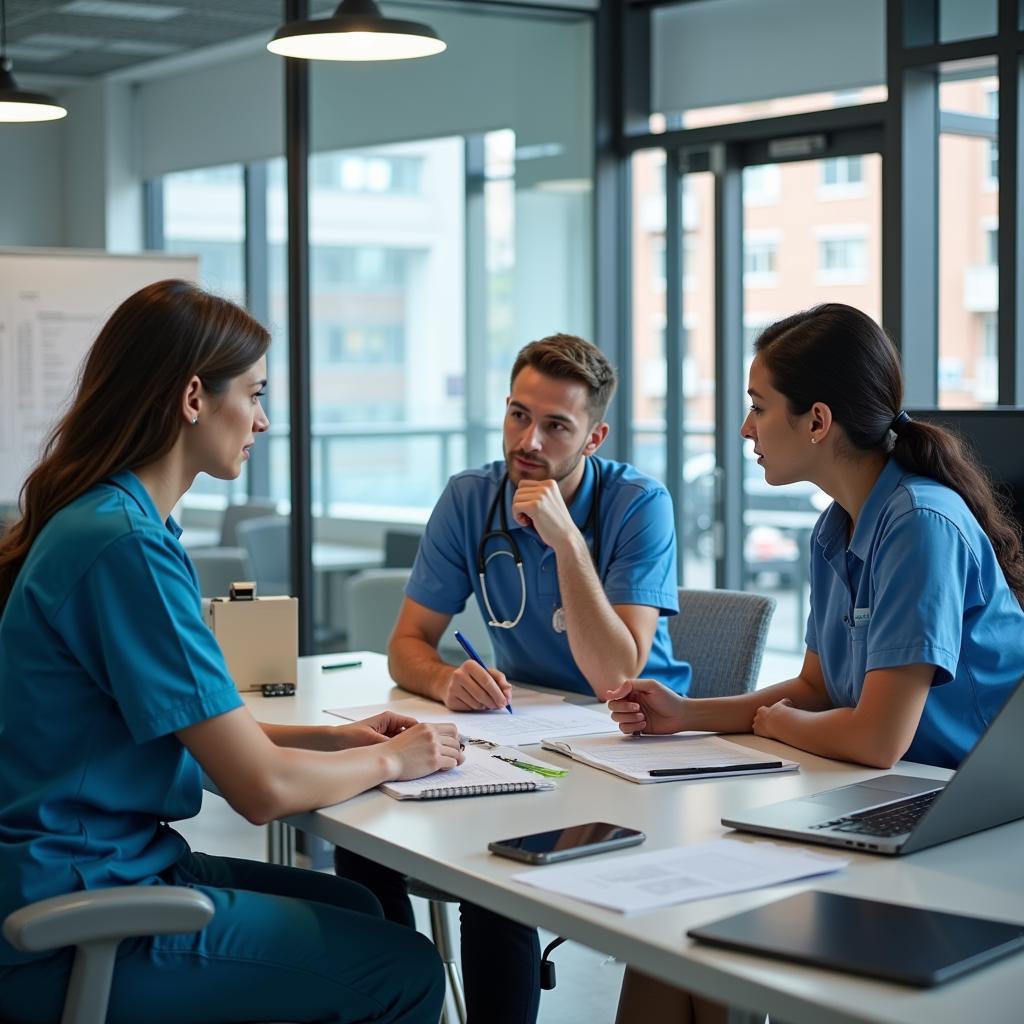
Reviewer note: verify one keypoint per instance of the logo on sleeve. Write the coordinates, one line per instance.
(861, 616)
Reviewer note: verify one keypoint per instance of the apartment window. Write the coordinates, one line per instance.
(992, 150)
(842, 259)
(760, 258)
(761, 184)
(841, 177)
(992, 246)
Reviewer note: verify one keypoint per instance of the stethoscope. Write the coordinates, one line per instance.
(592, 525)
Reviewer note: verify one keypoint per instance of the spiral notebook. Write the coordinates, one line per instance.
(481, 774)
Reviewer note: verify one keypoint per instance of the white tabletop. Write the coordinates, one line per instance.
(444, 843)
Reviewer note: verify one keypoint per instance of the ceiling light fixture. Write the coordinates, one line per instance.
(356, 31)
(17, 104)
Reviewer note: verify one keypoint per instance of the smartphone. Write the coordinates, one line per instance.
(564, 843)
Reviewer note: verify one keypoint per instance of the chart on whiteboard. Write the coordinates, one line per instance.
(52, 305)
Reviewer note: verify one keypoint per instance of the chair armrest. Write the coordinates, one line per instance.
(105, 914)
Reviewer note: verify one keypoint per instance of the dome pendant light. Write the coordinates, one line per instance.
(17, 104)
(357, 31)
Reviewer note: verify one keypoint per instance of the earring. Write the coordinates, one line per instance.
(195, 420)
(814, 440)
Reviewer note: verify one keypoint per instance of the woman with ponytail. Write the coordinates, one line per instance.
(915, 637)
(114, 694)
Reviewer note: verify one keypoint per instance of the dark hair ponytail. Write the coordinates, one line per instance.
(838, 355)
(126, 411)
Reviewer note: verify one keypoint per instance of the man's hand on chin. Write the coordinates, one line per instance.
(539, 503)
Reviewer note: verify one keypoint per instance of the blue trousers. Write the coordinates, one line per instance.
(500, 957)
(284, 945)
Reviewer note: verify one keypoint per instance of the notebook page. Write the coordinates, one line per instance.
(479, 769)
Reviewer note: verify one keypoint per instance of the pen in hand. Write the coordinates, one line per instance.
(468, 648)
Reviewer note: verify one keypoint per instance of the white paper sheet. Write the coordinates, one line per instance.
(701, 754)
(661, 878)
(533, 715)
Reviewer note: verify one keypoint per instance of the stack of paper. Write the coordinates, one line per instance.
(648, 881)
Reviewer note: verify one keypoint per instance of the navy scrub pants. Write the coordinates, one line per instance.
(284, 945)
(500, 957)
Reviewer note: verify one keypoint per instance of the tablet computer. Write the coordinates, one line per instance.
(880, 940)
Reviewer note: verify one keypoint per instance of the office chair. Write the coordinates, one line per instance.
(255, 508)
(267, 541)
(217, 568)
(95, 923)
(400, 547)
(372, 600)
(722, 634)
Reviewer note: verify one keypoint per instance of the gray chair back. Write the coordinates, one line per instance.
(255, 508)
(218, 568)
(372, 601)
(267, 542)
(722, 634)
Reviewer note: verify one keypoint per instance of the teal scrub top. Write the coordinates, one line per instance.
(104, 654)
(637, 566)
(919, 583)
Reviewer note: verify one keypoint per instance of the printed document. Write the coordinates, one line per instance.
(660, 878)
(533, 715)
(668, 758)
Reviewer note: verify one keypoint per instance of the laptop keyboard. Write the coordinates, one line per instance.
(891, 820)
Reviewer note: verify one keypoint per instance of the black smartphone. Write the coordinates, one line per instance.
(564, 843)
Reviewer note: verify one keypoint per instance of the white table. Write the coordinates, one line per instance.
(444, 843)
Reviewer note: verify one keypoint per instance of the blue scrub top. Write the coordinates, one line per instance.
(638, 566)
(103, 655)
(919, 584)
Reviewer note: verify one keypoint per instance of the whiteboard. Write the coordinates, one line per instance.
(52, 305)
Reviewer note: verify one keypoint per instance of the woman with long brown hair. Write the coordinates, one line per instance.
(915, 637)
(114, 695)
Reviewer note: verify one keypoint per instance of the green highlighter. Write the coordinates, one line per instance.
(548, 773)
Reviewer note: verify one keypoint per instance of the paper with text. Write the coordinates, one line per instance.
(535, 715)
(634, 758)
(648, 881)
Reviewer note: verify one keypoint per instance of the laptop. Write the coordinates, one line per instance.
(898, 814)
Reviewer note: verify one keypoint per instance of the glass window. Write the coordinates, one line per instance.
(204, 214)
(968, 236)
(817, 258)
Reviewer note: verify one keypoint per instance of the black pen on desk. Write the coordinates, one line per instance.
(468, 648)
(341, 664)
(711, 769)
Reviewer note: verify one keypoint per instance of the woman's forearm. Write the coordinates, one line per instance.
(305, 737)
(735, 714)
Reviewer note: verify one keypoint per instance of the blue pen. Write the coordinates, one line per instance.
(468, 648)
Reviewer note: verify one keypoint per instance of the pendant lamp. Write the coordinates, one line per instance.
(356, 31)
(17, 104)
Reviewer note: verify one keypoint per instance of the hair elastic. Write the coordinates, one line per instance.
(899, 420)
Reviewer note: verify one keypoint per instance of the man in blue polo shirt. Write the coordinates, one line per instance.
(572, 561)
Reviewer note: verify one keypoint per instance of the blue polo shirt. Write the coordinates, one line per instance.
(103, 655)
(918, 584)
(637, 566)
